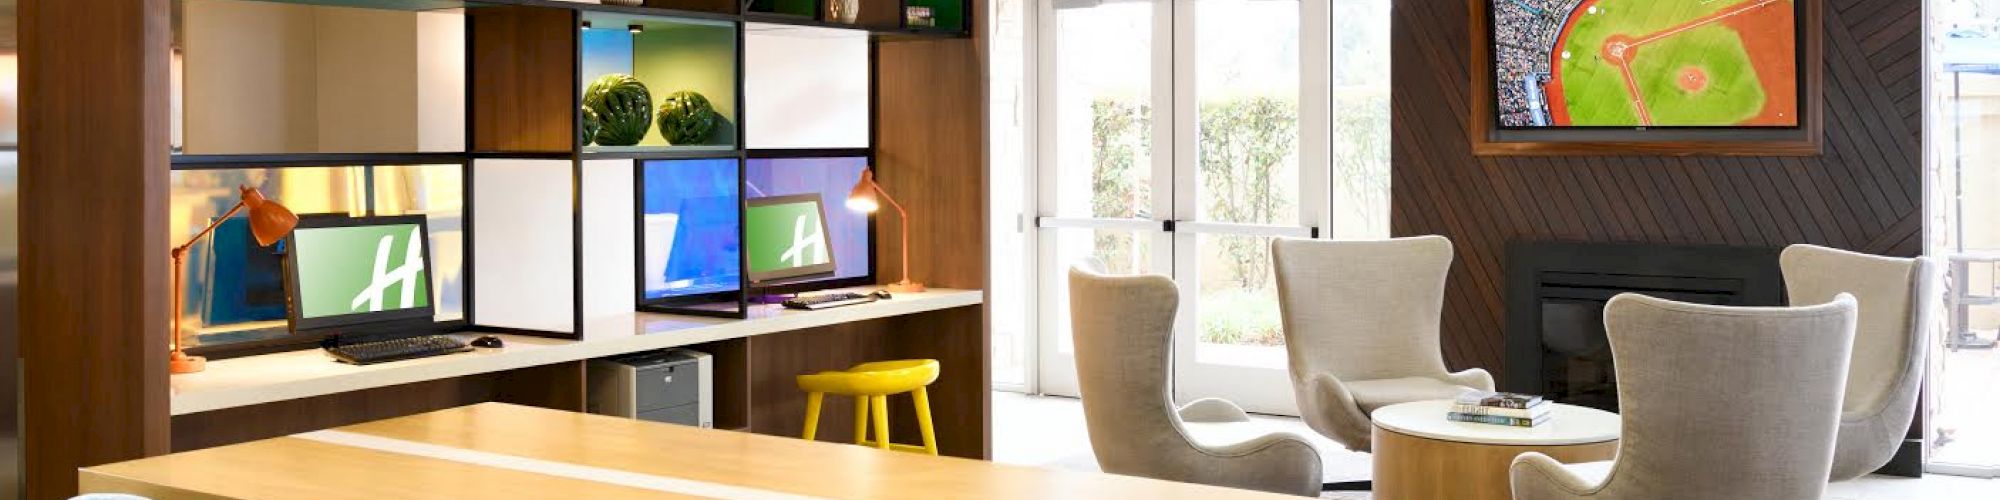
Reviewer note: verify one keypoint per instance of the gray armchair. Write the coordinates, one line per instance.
(1715, 402)
(1122, 327)
(1887, 367)
(1361, 329)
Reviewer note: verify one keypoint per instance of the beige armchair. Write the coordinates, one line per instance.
(1361, 329)
(1715, 402)
(1123, 327)
(1894, 296)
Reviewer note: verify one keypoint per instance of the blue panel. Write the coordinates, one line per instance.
(832, 179)
(606, 49)
(690, 228)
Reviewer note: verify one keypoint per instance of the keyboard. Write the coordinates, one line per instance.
(828, 300)
(368, 353)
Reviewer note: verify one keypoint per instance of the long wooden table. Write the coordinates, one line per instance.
(496, 450)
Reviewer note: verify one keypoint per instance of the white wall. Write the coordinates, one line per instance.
(805, 87)
(524, 270)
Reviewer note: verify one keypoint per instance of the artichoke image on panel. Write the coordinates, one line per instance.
(687, 118)
(623, 107)
(591, 124)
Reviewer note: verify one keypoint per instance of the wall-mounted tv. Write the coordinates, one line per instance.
(1646, 64)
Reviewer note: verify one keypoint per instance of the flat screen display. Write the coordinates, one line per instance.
(832, 178)
(1645, 63)
(786, 237)
(354, 270)
(690, 219)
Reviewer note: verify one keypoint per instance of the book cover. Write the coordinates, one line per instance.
(1533, 412)
(1500, 400)
(1496, 420)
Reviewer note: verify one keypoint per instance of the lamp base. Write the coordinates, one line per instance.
(905, 287)
(180, 362)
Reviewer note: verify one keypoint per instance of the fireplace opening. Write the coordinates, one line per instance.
(1556, 344)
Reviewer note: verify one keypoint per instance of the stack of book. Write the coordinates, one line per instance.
(1500, 408)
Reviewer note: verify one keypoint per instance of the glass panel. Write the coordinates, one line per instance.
(1964, 112)
(264, 77)
(437, 192)
(1237, 308)
(1011, 270)
(1103, 92)
(1246, 67)
(831, 179)
(689, 241)
(235, 289)
(1360, 119)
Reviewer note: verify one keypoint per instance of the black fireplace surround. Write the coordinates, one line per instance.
(1556, 293)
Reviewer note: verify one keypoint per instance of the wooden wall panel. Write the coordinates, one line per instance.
(960, 402)
(523, 59)
(93, 236)
(1863, 193)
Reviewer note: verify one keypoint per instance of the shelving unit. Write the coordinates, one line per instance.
(551, 228)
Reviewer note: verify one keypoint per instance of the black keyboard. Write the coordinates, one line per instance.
(368, 353)
(828, 300)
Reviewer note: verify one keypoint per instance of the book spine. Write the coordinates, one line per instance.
(1530, 413)
(1490, 419)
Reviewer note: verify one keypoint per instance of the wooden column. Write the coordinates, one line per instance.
(93, 235)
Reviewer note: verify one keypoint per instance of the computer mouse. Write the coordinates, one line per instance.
(489, 342)
(883, 294)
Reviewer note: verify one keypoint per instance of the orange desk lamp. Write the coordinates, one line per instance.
(864, 199)
(269, 222)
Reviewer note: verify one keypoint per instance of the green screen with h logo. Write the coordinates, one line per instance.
(360, 269)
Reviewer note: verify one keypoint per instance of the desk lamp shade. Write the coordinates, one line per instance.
(269, 222)
(867, 197)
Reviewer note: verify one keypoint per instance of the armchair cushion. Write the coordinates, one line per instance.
(1372, 394)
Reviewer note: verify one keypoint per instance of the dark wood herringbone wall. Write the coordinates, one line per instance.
(1863, 194)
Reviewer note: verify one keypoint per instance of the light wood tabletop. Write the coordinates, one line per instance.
(497, 450)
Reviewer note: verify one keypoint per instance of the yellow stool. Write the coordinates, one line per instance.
(871, 384)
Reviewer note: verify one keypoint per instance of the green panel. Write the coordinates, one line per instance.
(351, 270)
(950, 14)
(786, 7)
(672, 57)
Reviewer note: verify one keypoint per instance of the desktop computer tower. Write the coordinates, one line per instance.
(675, 386)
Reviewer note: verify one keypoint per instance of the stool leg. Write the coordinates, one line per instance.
(879, 405)
(861, 420)
(923, 403)
(812, 414)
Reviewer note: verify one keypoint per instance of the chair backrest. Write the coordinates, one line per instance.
(1362, 310)
(1726, 402)
(1892, 294)
(1122, 327)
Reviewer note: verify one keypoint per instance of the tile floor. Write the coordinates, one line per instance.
(1049, 432)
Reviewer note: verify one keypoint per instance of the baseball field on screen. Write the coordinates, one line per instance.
(1675, 63)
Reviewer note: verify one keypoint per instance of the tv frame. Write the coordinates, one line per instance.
(359, 321)
(758, 279)
(1488, 138)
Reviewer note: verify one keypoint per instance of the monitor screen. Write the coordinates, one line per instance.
(359, 270)
(786, 237)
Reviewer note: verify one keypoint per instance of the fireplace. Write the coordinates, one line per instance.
(1556, 293)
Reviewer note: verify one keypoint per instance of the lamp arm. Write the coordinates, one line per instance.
(210, 229)
(904, 218)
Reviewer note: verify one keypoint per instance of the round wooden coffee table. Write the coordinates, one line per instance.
(1420, 455)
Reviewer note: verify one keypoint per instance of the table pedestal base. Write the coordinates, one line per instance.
(1411, 468)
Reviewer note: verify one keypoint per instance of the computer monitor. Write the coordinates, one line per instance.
(349, 271)
(786, 237)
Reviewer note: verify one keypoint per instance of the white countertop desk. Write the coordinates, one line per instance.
(253, 380)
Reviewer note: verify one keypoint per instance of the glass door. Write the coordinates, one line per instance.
(1105, 183)
(1180, 152)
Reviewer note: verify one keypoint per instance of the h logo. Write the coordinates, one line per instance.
(803, 242)
(405, 275)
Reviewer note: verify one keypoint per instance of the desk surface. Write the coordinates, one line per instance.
(252, 380)
(496, 450)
